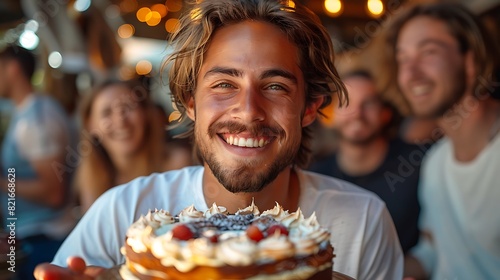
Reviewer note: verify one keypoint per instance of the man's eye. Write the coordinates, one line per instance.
(429, 51)
(276, 87)
(223, 85)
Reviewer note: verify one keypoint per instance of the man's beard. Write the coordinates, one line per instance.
(457, 92)
(245, 178)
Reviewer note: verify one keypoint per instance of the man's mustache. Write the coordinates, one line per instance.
(257, 129)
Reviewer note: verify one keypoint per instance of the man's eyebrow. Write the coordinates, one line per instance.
(280, 73)
(223, 70)
(429, 41)
(238, 73)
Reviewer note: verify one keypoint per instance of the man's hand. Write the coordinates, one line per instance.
(76, 270)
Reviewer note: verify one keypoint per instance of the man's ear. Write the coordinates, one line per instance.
(190, 112)
(311, 111)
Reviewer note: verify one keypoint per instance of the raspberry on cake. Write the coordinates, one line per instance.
(274, 244)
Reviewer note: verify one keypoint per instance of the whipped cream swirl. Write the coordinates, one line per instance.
(252, 209)
(277, 212)
(276, 247)
(215, 210)
(312, 229)
(293, 220)
(159, 218)
(190, 214)
(237, 251)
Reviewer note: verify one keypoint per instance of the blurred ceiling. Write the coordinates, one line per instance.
(90, 40)
(347, 27)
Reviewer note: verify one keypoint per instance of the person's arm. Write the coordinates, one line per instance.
(421, 259)
(48, 188)
(43, 141)
(382, 257)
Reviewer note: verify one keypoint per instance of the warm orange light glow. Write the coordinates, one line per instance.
(375, 7)
(173, 5)
(143, 14)
(143, 67)
(195, 14)
(160, 8)
(329, 112)
(333, 7)
(154, 19)
(126, 31)
(171, 25)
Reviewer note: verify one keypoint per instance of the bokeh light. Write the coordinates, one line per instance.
(55, 60)
(160, 8)
(375, 7)
(29, 40)
(143, 67)
(126, 31)
(154, 19)
(333, 7)
(143, 14)
(171, 25)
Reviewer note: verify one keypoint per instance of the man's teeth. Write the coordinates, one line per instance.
(420, 90)
(246, 142)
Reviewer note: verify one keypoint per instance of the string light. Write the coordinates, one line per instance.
(375, 7)
(333, 7)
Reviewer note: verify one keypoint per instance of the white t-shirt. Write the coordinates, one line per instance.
(460, 208)
(363, 235)
(44, 136)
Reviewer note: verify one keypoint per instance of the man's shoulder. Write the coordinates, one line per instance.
(337, 203)
(164, 183)
(336, 189)
(438, 151)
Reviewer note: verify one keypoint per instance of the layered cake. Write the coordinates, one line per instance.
(274, 244)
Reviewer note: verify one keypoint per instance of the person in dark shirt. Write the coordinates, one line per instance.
(369, 156)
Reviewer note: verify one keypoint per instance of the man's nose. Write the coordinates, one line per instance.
(412, 66)
(119, 116)
(250, 105)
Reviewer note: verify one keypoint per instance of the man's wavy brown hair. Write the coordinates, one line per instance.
(301, 26)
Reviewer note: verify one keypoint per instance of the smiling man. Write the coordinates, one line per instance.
(251, 76)
(445, 64)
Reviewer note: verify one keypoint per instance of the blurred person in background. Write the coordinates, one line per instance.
(371, 156)
(34, 147)
(445, 63)
(127, 138)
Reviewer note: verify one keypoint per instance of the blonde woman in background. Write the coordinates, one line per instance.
(127, 137)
